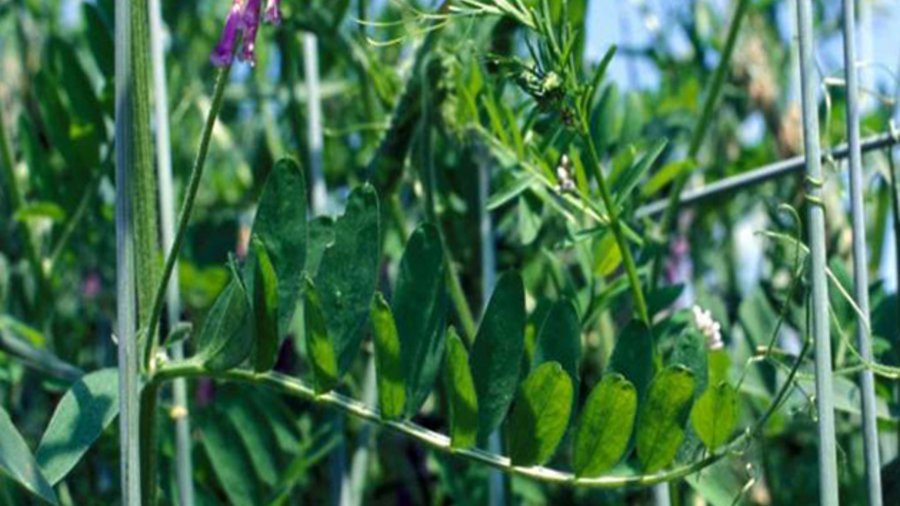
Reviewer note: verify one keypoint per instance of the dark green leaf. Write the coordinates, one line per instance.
(321, 235)
(605, 426)
(265, 310)
(690, 351)
(388, 365)
(623, 186)
(226, 338)
(540, 415)
(78, 420)
(348, 273)
(510, 191)
(714, 416)
(663, 416)
(255, 433)
(497, 352)
(318, 346)
(99, 35)
(17, 463)
(281, 225)
(420, 305)
(228, 458)
(632, 356)
(559, 340)
(461, 396)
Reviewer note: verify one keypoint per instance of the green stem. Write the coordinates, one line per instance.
(185, 215)
(615, 226)
(440, 442)
(703, 122)
(149, 400)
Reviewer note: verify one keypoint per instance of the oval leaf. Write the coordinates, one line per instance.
(663, 416)
(559, 340)
(80, 417)
(632, 356)
(265, 310)
(17, 462)
(318, 345)
(348, 273)
(460, 393)
(497, 352)
(420, 305)
(226, 339)
(540, 416)
(603, 432)
(388, 366)
(281, 224)
(714, 416)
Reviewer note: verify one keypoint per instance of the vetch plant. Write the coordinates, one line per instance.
(597, 377)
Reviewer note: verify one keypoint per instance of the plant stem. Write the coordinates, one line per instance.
(183, 464)
(129, 403)
(149, 400)
(615, 226)
(440, 442)
(828, 478)
(860, 260)
(703, 122)
(185, 215)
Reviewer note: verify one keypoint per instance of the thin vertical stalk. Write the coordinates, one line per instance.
(703, 122)
(828, 478)
(183, 464)
(129, 403)
(860, 259)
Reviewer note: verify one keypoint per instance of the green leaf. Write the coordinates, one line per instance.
(265, 310)
(632, 356)
(690, 351)
(17, 462)
(420, 305)
(34, 210)
(463, 402)
(319, 347)
(559, 340)
(281, 224)
(714, 416)
(99, 35)
(510, 191)
(254, 431)
(497, 352)
(663, 416)
(321, 235)
(604, 429)
(668, 173)
(388, 365)
(719, 365)
(228, 458)
(83, 413)
(226, 338)
(623, 186)
(540, 415)
(348, 273)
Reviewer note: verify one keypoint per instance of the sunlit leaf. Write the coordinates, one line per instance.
(462, 401)
(318, 346)
(17, 463)
(663, 416)
(604, 429)
(714, 415)
(265, 310)
(388, 366)
(540, 415)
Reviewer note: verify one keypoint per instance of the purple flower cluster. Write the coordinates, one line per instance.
(243, 21)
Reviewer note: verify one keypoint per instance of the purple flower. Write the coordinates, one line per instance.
(243, 20)
(273, 12)
(223, 54)
(251, 18)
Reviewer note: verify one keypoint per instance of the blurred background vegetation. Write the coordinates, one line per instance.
(469, 114)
